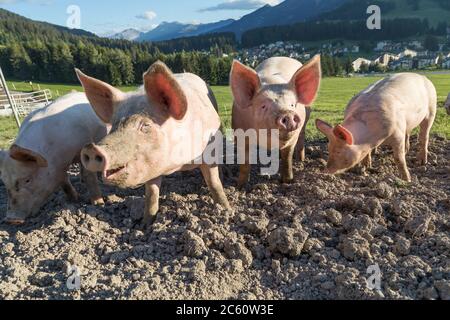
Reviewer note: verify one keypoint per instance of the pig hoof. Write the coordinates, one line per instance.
(14, 222)
(98, 202)
(148, 221)
(287, 180)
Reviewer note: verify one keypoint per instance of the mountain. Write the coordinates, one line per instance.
(175, 30)
(436, 11)
(6, 15)
(287, 12)
(128, 34)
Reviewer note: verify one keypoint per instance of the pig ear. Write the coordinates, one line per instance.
(343, 134)
(27, 156)
(306, 81)
(163, 89)
(325, 128)
(103, 97)
(245, 83)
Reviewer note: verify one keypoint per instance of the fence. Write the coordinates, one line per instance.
(26, 103)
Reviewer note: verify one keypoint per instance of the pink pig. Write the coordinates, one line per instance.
(275, 96)
(49, 141)
(152, 133)
(385, 113)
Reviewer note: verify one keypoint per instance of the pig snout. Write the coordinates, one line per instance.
(289, 122)
(14, 219)
(94, 159)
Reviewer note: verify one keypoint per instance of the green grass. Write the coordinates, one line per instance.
(332, 100)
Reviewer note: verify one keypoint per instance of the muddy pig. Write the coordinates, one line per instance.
(164, 127)
(276, 96)
(447, 104)
(49, 141)
(385, 113)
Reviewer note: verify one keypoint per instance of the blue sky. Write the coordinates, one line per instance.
(108, 16)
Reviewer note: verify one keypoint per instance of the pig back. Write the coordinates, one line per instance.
(404, 100)
(59, 131)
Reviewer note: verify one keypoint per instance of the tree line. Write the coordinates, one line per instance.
(394, 29)
(40, 51)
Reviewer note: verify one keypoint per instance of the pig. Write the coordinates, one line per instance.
(385, 113)
(49, 141)
(275, 96)
(142, 147)
(447, 104)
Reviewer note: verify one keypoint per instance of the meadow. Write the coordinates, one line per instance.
(332, 100)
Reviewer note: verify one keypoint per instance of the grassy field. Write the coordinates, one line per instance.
(333, 98)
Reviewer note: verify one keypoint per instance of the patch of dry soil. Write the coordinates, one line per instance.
(313, 239)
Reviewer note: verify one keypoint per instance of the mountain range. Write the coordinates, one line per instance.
(287, 12)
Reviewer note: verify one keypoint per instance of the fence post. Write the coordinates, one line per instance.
(10, 98)
(46, 98)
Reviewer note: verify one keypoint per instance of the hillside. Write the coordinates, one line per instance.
(435, 11)
(38, 26)
(287, 12)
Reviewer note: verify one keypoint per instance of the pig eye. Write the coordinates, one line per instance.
(264, 107)
(145, 127)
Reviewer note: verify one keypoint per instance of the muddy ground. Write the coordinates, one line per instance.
(314, 239)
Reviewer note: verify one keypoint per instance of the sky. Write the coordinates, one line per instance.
(109, 16)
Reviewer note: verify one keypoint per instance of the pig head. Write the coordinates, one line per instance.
(343, 154)
(138, 148)
(22, 171)
(270, 101)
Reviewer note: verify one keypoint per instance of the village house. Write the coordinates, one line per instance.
(446, 63)
(426, 61)
(359, 62)
(386, 58)
(408, 53)
(405, 63)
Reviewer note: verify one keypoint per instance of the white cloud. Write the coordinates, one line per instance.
(241, 5)
(147, 15)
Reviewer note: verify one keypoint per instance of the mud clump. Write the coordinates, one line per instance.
(312, 239)
(287, 241)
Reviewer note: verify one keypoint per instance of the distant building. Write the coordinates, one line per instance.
(386, 58)
(426, 61)
(359, 62)
(446, 63)
(408, 53)
(381, 45)
(405, 63)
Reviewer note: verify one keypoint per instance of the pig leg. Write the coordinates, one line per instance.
(424, 140)
(398, 146)
(408, 143)
(287, 158)
(244, 169)
(212, 179)
(367, 162)
(300, 149)
(152, 189)
(91, 181)
(69, 190)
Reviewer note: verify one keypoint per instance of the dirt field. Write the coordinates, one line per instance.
(313, 239)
